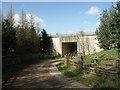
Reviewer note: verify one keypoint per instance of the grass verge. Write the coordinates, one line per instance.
(94, 78)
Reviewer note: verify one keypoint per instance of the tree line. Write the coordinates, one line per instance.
(22, 44)
(108, 32)
(23, 38)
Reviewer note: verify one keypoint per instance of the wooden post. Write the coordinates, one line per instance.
(96, 63)
(79, 63)
(67, 60)
(82, 62)
(117, 63)
(118, 67)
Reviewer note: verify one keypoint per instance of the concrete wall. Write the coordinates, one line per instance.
(56, 46)
(90, 41)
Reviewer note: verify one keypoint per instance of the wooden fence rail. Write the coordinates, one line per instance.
(95, 68)
(98, 69)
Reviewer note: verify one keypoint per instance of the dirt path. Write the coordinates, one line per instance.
(43, 75)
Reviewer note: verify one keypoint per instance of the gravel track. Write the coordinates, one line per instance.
(43, 75)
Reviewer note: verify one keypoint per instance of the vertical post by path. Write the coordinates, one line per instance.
(67, 60)
(79, 64)
(96, 63)
(82, 59)
(118, 67)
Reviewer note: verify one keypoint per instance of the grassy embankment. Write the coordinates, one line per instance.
(95, 79)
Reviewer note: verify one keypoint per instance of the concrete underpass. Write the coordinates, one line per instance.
(69, 47)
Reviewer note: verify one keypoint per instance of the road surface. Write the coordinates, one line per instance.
(43, 75)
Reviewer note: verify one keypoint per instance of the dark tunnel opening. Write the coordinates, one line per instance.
(69, 47)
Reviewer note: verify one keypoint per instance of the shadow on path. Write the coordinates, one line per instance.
(42, 75)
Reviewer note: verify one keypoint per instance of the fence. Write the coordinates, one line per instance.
(79, 61)
(96, 66)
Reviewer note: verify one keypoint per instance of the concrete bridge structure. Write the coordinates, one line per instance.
(69, 43)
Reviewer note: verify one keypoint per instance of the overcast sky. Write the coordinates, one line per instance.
(62, 17)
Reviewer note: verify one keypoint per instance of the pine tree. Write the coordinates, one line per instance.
(112, 24)
(22, 33)
(103, 31)
(33, 35)
(8, 37)
(109, 30)
(45, 41)
(117, 22)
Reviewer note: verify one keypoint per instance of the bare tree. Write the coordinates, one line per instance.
(10, 14)
(1, 18)
(31, 20)
(23, 21)
(82, 42)
(87, 45)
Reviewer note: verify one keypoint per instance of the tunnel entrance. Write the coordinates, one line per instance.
(69, 47)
